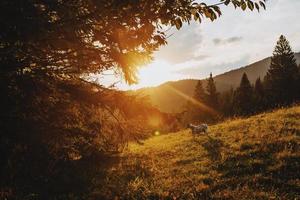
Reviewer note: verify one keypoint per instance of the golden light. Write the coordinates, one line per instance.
(156, 73)
(194, 101)
(154, 120)
(156, 133)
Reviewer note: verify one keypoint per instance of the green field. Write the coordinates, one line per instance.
(253, 158)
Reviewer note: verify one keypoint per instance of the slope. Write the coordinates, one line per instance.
(166, 97)
(254, 158)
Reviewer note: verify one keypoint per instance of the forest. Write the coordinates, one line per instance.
(279, 88)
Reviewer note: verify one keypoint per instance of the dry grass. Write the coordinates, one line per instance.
(253, 158)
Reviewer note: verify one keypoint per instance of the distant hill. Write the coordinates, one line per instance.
(172, 96)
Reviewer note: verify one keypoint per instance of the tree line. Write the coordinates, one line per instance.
(279, 87)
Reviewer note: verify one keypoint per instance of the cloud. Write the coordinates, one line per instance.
(219, 41)
(181, 46)
(198, 69)
(201, 57)
(234, 40)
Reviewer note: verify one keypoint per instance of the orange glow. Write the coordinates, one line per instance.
(194, 101)
(155, 73)
(154, 121)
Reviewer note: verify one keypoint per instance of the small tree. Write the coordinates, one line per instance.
(298, 84)
(195, 113)
(281, 78)
(226, 103)
(244, 97)
(259, 95)
(212, 94)
(199, 93)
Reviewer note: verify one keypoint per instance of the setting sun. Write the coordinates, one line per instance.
(154, 74)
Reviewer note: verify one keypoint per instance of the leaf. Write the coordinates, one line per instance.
(262, 4)
(250, 5)
(207, 13)
(244, 6)
(256, 6)
(217, 9)
(178, 23)
(227, 2)
(200, 20)
(196, 16)
(213, 16)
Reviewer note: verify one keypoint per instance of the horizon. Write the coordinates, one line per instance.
(238, 45)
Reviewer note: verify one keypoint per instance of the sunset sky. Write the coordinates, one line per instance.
(234, 40)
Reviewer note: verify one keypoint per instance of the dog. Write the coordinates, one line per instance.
(197, 129)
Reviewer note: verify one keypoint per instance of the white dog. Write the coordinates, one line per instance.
(196, 129)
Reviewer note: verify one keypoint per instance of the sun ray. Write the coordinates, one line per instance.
(199, 104)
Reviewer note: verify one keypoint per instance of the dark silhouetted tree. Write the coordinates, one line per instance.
(212, 96)
(281, 78)
(199, 114)
(199, 93)
(226, 103)
(259, 95)
(298, 84)
(243, 100)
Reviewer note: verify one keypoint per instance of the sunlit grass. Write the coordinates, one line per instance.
(254, 158)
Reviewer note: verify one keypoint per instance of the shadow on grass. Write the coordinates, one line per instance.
(257, 167)
(124, 180)
(213, 147)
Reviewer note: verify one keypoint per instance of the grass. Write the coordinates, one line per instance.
(253, 158)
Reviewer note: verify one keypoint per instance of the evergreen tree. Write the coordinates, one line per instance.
(195, 113)
(199, 93)
(226, 103)
(259, 95)
(298, 84)
(281, 78)
(212, 94)
(243, 99)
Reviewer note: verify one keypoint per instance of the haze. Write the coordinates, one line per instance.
(234, 40)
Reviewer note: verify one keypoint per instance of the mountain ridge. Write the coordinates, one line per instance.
(165, 95)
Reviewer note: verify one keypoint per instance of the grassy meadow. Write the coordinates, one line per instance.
(252, 158)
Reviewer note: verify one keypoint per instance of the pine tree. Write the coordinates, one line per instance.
(199, 93)
(212, 94)
(243, 99)
(195, 113)
(259, 95)
(298, 84)
(226, 103)
(281, 78)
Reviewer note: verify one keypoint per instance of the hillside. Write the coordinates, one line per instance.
(164, 96)
(254, 158)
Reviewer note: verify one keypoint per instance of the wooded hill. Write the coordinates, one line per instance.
(169, 97)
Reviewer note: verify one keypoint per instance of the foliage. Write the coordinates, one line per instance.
(227, 103)
(199, 93)
(194, 112)
(81, 37)
(46, 149)
(281, 78)
(279, 88)
(243, 99)
(212, 95)
(204, 105)
(54, 123)
(259, 96)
